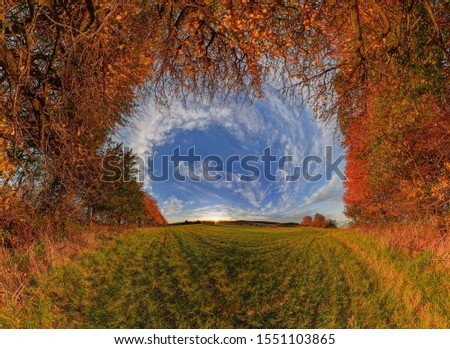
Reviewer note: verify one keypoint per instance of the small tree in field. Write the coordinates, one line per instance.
(306, 221)
(319, 221)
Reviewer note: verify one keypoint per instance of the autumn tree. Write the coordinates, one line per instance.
(63, 94)
(119, 198)
(306, 221)
(394, 114)
(319, 221)
(151, 215)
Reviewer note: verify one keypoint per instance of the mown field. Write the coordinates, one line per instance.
(204, 276)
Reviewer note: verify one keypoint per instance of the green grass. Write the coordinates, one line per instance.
(203, 276)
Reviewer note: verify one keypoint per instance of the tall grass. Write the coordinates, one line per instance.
(413, 239)
(25, 265)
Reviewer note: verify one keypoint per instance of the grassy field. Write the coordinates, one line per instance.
(202, 276)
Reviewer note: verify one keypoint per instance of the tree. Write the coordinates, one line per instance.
(119, 199)
(152, 216)
(396, 129)
(319, 221)
(306, 221)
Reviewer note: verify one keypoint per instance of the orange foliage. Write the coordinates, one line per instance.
(152, 215)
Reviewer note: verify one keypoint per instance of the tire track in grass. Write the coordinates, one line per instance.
(211, 293)
(259, 287)
(153, 296)
(268, 300)
(136, 286)
(334, 303)
(287, 299)
(355, 291)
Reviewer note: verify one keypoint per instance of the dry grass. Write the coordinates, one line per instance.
(21, 266)
(416, 279)
(413, 239)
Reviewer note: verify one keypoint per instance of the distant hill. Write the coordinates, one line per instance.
(240, 223)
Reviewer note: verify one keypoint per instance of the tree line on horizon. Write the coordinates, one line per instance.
(72, 72)
(318, 221)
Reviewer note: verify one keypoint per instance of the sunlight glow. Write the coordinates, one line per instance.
(215, 217)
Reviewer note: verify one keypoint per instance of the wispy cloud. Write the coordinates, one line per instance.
(172, 206)
(331, 191)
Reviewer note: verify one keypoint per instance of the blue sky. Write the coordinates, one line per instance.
(240, 130)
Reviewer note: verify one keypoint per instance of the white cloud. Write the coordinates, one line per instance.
(154, 127)
(333, 190)
(172, 206)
